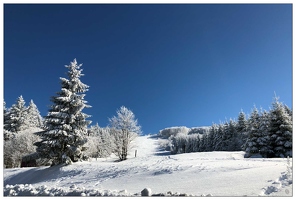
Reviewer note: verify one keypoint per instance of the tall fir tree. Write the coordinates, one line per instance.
(280, 130)
(65, 124)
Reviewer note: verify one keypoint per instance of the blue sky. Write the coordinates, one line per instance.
(171, 64)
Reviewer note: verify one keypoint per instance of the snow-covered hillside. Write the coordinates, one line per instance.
(196, 174)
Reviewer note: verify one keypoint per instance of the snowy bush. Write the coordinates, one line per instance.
(20, 145)
(167, 132)
(99, 142)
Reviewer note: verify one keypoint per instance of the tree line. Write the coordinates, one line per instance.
(265, 133)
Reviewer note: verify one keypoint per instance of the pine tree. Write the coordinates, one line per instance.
(242, 129)
(211, 137)
(280, 130)
(16, 120)
(218, 137)
(203, 143)
(251, 146)
(289, 111)
(34, 118)
(264, 141)
(225, 139)
(7, 135)
(65, 124)
(234, 140)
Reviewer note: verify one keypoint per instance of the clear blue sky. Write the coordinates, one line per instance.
(171, 64)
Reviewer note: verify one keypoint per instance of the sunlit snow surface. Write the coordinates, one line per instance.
(192, 174)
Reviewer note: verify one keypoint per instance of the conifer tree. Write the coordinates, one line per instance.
(225, 138)
(233, 136)
(65, 124)
(280, 130)
(242, 128)
(264, 141)
(218, 138)
(251, 146)
(211, 138)
(6, 133)
(16, 119)
(203, 143)
(34, 118)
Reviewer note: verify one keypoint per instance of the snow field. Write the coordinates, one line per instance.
(195, 174)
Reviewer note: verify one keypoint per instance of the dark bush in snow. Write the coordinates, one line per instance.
(147, 192)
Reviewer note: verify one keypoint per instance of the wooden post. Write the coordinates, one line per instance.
(135, 153)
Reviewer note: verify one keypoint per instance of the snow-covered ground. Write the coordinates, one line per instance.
(196, 174)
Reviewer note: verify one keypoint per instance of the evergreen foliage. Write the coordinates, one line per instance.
(280, 130)
(34, 118)
(252, 145)
(241, 129)
(65, 124)
(264, 134)
(15, 120)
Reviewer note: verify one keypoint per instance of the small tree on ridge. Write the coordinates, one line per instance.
(124, 129)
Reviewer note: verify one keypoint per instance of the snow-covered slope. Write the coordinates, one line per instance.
(206, 173)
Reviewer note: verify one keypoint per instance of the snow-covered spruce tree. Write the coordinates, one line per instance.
(16, 119)
(211, 136)
(190, 143)
(6, 133)
(234, 140)
(124, 129)
(225, 139)
(65, 124)
(34, 118)
(241, 129)
(280, 130)
(218, 137)
(264, 140)
(251, 146)
(289, 111)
